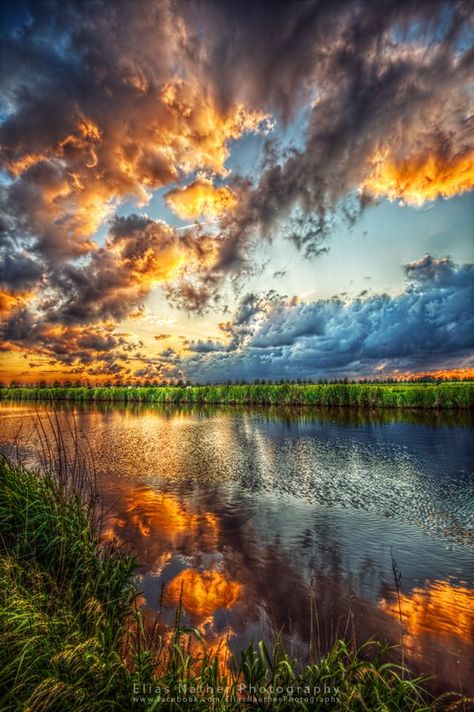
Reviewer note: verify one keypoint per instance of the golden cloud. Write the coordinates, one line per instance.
(441, 609)
(154, 265)
(199, 132)
(201, 199)
(9, 301)
(67, 189)
(163, 521)
(202, 594)
(421, 178)
(20, 165)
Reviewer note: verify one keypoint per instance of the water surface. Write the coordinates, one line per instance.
(255, 515)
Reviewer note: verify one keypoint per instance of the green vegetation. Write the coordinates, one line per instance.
(63, 601)
(364, 395)
(72, 637)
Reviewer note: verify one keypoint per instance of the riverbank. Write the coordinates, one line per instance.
(73, 638)
(456, 395)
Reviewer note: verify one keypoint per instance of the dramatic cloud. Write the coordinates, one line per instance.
(114, 108)
(389, 117)
(80, 350)
(115, 115)
(10, 302)
(138, 254)
(201, 199)
(105, 288)
(389, 110)
(17, 269)
(421, 178)
(429, 324)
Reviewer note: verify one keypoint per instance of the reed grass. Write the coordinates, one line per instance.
(452, 395)
(73, 639)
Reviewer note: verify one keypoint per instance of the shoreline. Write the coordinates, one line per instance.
(406, 396)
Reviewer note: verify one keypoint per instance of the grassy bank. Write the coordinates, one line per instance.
(72, 638)
(363, 395)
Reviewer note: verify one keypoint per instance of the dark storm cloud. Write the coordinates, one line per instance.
(194, 294)
(204, 347)
(250, 309)
(18, 270)
(270, 52)
(431, 322)
(90, 107)
(102, 101)
(19, 328)
(98, 342)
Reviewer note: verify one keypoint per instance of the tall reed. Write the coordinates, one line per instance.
(361, 395)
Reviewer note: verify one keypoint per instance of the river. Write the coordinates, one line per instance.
(289, 519)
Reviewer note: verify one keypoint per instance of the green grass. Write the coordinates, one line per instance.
(363, 395)
(72, 638)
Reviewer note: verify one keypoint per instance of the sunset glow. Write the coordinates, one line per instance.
(294, 214)
(440, 608)
(236, 354)
(420, 179)
(202, 594)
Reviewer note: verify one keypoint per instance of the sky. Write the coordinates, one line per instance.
(219, 190)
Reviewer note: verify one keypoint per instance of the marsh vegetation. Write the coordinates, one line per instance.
(452, 395)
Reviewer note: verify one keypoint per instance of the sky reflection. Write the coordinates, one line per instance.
(248, 516)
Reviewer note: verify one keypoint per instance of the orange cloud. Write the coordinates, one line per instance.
(461, 374)
(78, 351)
(154, 265)
(10, 301)
(163, 521)
(201, 132)
(18, 166)
(67, 188)
(440, 608)
(421, 178)
(201, 199)
(202, 594)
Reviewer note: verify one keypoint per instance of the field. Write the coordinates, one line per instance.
(452, 395)
(73, 638)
